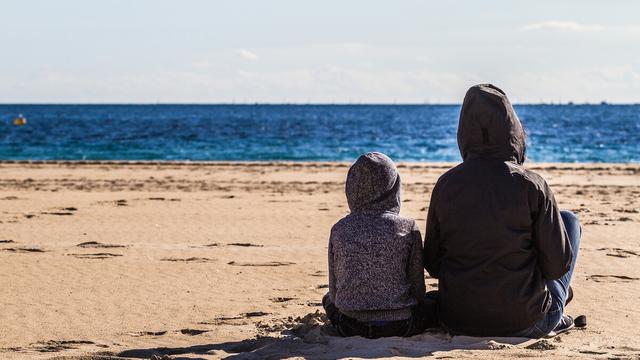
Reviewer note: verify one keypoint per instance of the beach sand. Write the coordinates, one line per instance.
(214, 260)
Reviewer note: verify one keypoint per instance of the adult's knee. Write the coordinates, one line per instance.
(569, 216)
(572, 224)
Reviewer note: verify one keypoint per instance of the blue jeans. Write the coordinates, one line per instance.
(559, 289)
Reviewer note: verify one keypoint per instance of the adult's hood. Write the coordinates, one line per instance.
(489, 127)
(373, 185)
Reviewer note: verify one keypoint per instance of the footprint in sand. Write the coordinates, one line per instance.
(58, 213)
(593, 352)
(226, 320)
(281, 299)
(95, 256)
(23, 250)
(618, 252)
(147, 333)
(612, 278)
(256, 314)
(163, 199)
(628, 211)
(220, 318)
(193, 332)
(205, 245)
(269, 263)
(191, 259)
(95, 244)
(245, 245)
(230, 244)
(59, 345)
(119, 202)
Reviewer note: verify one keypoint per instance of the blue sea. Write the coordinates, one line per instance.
(556, 133)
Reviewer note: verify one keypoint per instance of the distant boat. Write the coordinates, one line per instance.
(20, 120)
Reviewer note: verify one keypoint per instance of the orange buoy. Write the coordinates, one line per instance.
(20, 120)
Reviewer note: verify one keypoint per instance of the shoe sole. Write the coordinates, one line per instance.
(558, 332)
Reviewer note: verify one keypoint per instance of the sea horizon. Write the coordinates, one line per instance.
(238, 103)
(303, 132)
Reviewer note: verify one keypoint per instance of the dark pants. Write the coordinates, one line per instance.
(424, 316)
(559, 289)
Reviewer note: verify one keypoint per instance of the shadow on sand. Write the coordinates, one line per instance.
(321, 342)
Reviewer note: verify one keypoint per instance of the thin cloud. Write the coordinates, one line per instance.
(246, 54)
(562, 26)
(633, 29)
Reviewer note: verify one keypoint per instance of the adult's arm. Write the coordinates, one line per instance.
(432, 256)
(549, 235)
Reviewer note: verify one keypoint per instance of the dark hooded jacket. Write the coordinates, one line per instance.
(375, 256)
(494, 232)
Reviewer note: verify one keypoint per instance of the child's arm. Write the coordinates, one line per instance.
(332, 279)
(416, 267)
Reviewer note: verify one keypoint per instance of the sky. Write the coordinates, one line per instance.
(297, 51)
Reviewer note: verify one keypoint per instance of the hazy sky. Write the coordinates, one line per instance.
(317, 51)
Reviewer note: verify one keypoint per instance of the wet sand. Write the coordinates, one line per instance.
(213, 260)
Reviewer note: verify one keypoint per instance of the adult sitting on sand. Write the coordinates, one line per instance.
(502, 251)
(376, 274)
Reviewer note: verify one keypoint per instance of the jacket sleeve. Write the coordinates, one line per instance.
(432, 253)
(332, 279)
(415, 267)
(549, 235)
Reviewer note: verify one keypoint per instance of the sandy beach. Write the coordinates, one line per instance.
(212, 260)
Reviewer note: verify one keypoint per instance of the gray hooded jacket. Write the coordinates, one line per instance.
(375, 256)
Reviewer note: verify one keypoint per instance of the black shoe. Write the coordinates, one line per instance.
(565, 324)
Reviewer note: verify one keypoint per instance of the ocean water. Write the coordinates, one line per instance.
(556, 133)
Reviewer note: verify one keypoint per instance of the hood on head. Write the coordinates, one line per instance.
(373, 184)
(489, 127)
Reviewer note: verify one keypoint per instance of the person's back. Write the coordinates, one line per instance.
(494, 233)
(376, 275)
(370, 254)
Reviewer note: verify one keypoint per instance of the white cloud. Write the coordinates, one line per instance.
(331, 72)
(617, 84)
(202, 64)
(246, 54)
(562, 26)
(633, 29)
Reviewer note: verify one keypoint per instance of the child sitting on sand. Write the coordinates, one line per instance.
(376, 278)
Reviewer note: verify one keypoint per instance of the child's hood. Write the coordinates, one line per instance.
(373, 185)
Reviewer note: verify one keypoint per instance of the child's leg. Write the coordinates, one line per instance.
(425, 313)
(332, 311)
